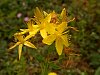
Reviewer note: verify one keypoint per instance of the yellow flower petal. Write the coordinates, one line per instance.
(20, 50)
(19, 37)
(45, 13)
(63, 15)
(29, 24)
(14, 45)
(26, 43)
(48, 18)
(33, 32)
(35, 26)
(65, 40)
(50, 28)
(43, 33)
(59, 45)
(49, 39)
(23, 31)
(28, 37)
(62, 27)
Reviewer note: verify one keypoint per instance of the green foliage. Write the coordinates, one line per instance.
(97, 71)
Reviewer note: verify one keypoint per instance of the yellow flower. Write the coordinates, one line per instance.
(43, 20)
(21, 42)
(52, 73)
(32, 29)
(59, 36)
(46, 27)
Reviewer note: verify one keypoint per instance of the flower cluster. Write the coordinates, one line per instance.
(51, 26)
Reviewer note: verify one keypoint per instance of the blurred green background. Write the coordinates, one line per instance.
(13, 15)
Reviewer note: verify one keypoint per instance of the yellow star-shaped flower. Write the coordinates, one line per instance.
(32, 29)
(43, 20)
(21, 42)
(60, 38)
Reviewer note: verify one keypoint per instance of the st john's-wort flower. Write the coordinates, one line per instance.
(21, 42)
(59, 36)
(52, 27)
(32, 29)
(43, 21)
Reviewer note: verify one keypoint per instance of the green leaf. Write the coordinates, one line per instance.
(40, 58)
(54, 66)
(97, 71)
